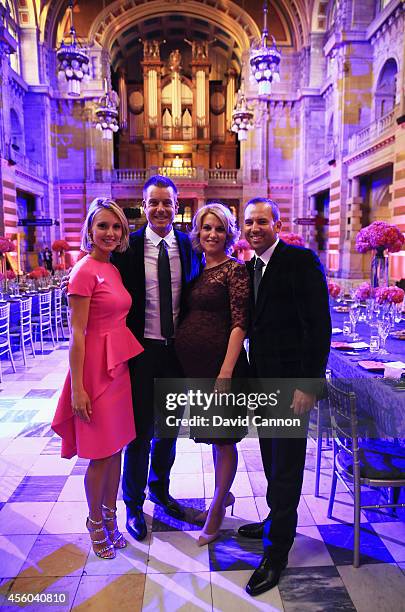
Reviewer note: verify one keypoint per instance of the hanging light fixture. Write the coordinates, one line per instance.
(242, 116)
(73, 61)
(107, 114)
(265, 58)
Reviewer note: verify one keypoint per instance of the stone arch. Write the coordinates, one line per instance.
(294, 15)
(386, 88)
(235, 20)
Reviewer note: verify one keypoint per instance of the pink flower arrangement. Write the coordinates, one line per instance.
(10, 275)
(60, 245)
(6, 245)
(393, 295)
(58, 266)
(242, 245)
(292, 238)
(364, 291)
(334, 289)
(39, 272)
(396, 295)
(380, 235)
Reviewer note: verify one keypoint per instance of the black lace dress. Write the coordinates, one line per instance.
(218, 301)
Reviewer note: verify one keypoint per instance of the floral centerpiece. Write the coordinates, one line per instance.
(380, 236)
(390, 300)
(334, 289)
(364, 292)
(6, 246)
(292, 238)
(396, 295)
(39, 272)
(243, 249)
(61, 246)
(10, 275)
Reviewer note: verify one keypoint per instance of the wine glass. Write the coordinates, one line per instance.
(384, 326)
(354, 314)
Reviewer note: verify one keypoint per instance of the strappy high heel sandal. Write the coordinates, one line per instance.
(116, 537)
(230, 501)
(107, 551)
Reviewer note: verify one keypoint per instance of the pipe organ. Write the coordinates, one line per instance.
(175, 116)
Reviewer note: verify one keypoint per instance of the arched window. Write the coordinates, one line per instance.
(17, 137)
(386, 89)
(11, 24)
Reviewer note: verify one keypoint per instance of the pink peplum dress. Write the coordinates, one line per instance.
(109, 344)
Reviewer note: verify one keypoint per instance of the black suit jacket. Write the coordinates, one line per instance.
(291, 326)
(131, 265)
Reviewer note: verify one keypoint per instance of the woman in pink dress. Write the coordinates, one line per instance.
(94, 416)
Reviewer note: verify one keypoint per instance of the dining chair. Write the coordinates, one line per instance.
(42, 323)
(5, 345)
(57, 313)
(319, 432)
(360, 458)
(23, 330)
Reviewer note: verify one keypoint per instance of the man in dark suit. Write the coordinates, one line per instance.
(289, 339)
(155, 270)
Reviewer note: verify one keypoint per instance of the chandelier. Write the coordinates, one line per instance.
(107, 114)
(73, 61)
(265, 59)
(242, 116)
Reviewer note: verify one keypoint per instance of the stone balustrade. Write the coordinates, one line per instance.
(202, 175)
(373, 131)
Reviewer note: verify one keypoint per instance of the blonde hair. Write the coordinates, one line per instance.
(227, 219)
(95, 207)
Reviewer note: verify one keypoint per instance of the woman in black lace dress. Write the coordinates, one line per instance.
(209, 340)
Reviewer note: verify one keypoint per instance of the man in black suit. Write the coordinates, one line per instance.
(289, 339)
(155, 270)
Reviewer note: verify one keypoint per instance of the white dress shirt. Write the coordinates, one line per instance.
(265, 257)
(152, 304)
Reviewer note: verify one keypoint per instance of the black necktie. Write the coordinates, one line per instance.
(257, 277)
(165, 292)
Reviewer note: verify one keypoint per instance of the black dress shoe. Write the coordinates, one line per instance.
(168, 503)
(265, 577)
(252, 530)
(136, 525)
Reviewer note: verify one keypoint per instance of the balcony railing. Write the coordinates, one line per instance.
(130, 175)
(202, 175)
(228, 176)
(371, 132)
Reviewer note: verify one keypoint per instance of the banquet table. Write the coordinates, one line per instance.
(375, 396)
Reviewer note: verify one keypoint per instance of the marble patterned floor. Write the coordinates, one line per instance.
(45, 548)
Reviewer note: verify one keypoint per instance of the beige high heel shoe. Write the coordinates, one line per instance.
(107, 551)
(230, 501)
(205, 537)
(116, 537)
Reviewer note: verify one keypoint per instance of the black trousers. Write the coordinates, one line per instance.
(157, 361)
(283, 462)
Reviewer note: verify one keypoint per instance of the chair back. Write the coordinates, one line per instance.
(45, 308)
(343, 416)
(4, 328)
(57, 304)
(25, 317)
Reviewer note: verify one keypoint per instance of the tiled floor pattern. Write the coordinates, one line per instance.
(45, 548)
